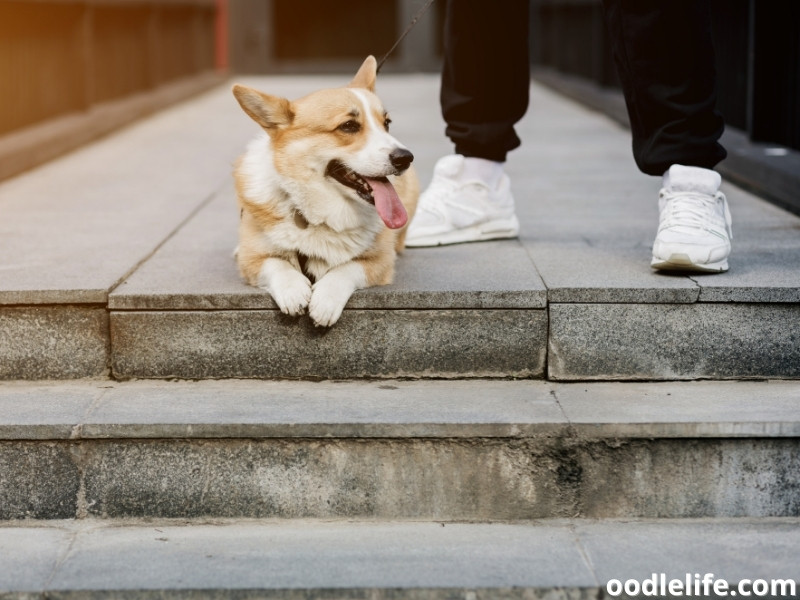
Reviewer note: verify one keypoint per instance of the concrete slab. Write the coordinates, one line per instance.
(43, 342)
(38, 480)
(446, 450)
(308, 555)
(195, 270)
(364, 343)
(422, 479)
(74, 228)
(581, 272)
(588, 218)
(730, 550)
(397, 409)
(387, 560)
(29, 555)
(256, 409)
(45, 411)
(681, 409)
(663, 341)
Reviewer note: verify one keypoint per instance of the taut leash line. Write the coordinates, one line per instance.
(416, 18)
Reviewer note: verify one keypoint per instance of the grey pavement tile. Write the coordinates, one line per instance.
(574, 179)
(756, 275)
(196, 270)
(322, 555)
(29, 555)
(395, 409)
(73, 228)
(682, 409)
(731, 549)
(581, 272)
(575, 182)
(44, 410)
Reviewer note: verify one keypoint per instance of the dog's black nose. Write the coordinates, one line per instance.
(401, 159)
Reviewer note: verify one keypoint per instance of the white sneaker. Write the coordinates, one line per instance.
(457, 208)
(694, 231)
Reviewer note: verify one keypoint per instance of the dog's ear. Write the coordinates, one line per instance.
(271, 112)
(365, 78)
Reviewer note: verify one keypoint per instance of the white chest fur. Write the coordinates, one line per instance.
(321, 220)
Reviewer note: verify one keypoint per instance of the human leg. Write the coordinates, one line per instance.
(665, 57)
(484, 92)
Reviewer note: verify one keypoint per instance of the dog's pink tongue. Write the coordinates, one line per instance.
(388, 204)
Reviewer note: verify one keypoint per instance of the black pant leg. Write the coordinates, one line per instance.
(486, 75)
(665, 59)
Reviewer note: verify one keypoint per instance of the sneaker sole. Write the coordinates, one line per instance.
(492, 230)
(682, 262)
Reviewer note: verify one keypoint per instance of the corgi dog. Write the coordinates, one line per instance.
(325, 194)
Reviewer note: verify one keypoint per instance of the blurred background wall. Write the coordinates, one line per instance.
(112, 60)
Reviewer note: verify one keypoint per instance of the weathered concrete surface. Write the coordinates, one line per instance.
(383, 479)
(38, 480)
(75, 227)
(696, 409)
(195, 270)
(730, 549)
(588, 221)
(688, 478)
(301, 560)
(663, 341)
(447, 450)
(42, 342)
(476, 479)
(364, 343)
(585, 273)
(393, 409)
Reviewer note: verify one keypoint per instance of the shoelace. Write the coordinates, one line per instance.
(686, 209)
(435, 195)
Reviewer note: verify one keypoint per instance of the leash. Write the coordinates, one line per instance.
(416, 18)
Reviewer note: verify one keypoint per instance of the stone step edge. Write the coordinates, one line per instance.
(387, 559)
(397, 409)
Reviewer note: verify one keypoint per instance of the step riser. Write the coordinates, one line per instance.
(572, 342)
(53, 342)
(481, 480)
(365, 343)
(658, 341)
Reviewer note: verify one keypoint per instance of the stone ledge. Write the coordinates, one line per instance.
(480, 479)
(660, 342)
(53, 342)
(304, 560)
(364, 343)
(396, 409)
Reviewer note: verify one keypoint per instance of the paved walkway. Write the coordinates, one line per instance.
(145, 220)
(389, 561)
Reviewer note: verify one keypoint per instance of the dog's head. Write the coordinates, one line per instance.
(340, 134)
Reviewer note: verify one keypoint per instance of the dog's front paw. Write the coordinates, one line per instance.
(328, 299)
(332, 291)
(289, 288)
(293, 298)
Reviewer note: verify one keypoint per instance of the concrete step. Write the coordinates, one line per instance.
(491, 451)
(186, 313)
(238, 559)
(117, 264)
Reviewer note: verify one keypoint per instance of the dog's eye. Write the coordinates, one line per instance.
(386, 122)
(350, 126)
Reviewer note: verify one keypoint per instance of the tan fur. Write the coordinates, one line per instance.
(299, 131)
